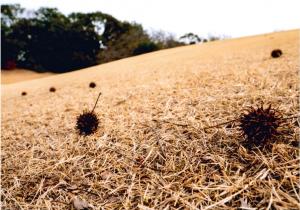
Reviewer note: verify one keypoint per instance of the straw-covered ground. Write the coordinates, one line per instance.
(151, 151)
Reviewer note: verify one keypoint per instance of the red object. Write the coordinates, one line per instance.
(10, 64)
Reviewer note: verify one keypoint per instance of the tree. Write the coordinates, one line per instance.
(190, 38)
(47, 40)
(10, 14)
(122, 42)
(51, 42)
(164, 40)
(9, 45)
(212, 38)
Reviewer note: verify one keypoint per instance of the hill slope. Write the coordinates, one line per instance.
(150, 150)
(19, 75)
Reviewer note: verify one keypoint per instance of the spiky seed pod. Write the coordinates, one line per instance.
(52, 89)
(92, 85)
(276, 53)
(87, 123)
(260, 125)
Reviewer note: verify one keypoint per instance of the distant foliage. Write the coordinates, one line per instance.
(122, 42)
(9, 45)
(213, 38)
(47, 40)
(190, 38)
(145, 47)
(165, 40)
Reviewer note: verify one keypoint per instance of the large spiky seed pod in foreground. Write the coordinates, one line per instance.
(260, 125)
(87, 123)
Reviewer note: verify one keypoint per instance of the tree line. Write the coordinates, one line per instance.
(47, 40)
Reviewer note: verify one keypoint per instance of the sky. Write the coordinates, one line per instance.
(233, 18)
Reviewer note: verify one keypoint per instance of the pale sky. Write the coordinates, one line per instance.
(234, 18)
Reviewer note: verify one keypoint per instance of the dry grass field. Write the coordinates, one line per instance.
(151, 151)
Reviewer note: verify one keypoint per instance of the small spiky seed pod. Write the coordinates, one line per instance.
(260, 125)
(276, 53)
(92, 85)
(87, 123)
(52, 89)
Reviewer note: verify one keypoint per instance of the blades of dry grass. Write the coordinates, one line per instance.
(261, 175)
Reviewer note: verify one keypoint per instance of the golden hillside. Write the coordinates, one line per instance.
(151, 151)
(19, 75)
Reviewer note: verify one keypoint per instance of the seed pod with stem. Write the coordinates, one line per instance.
(88, 122)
